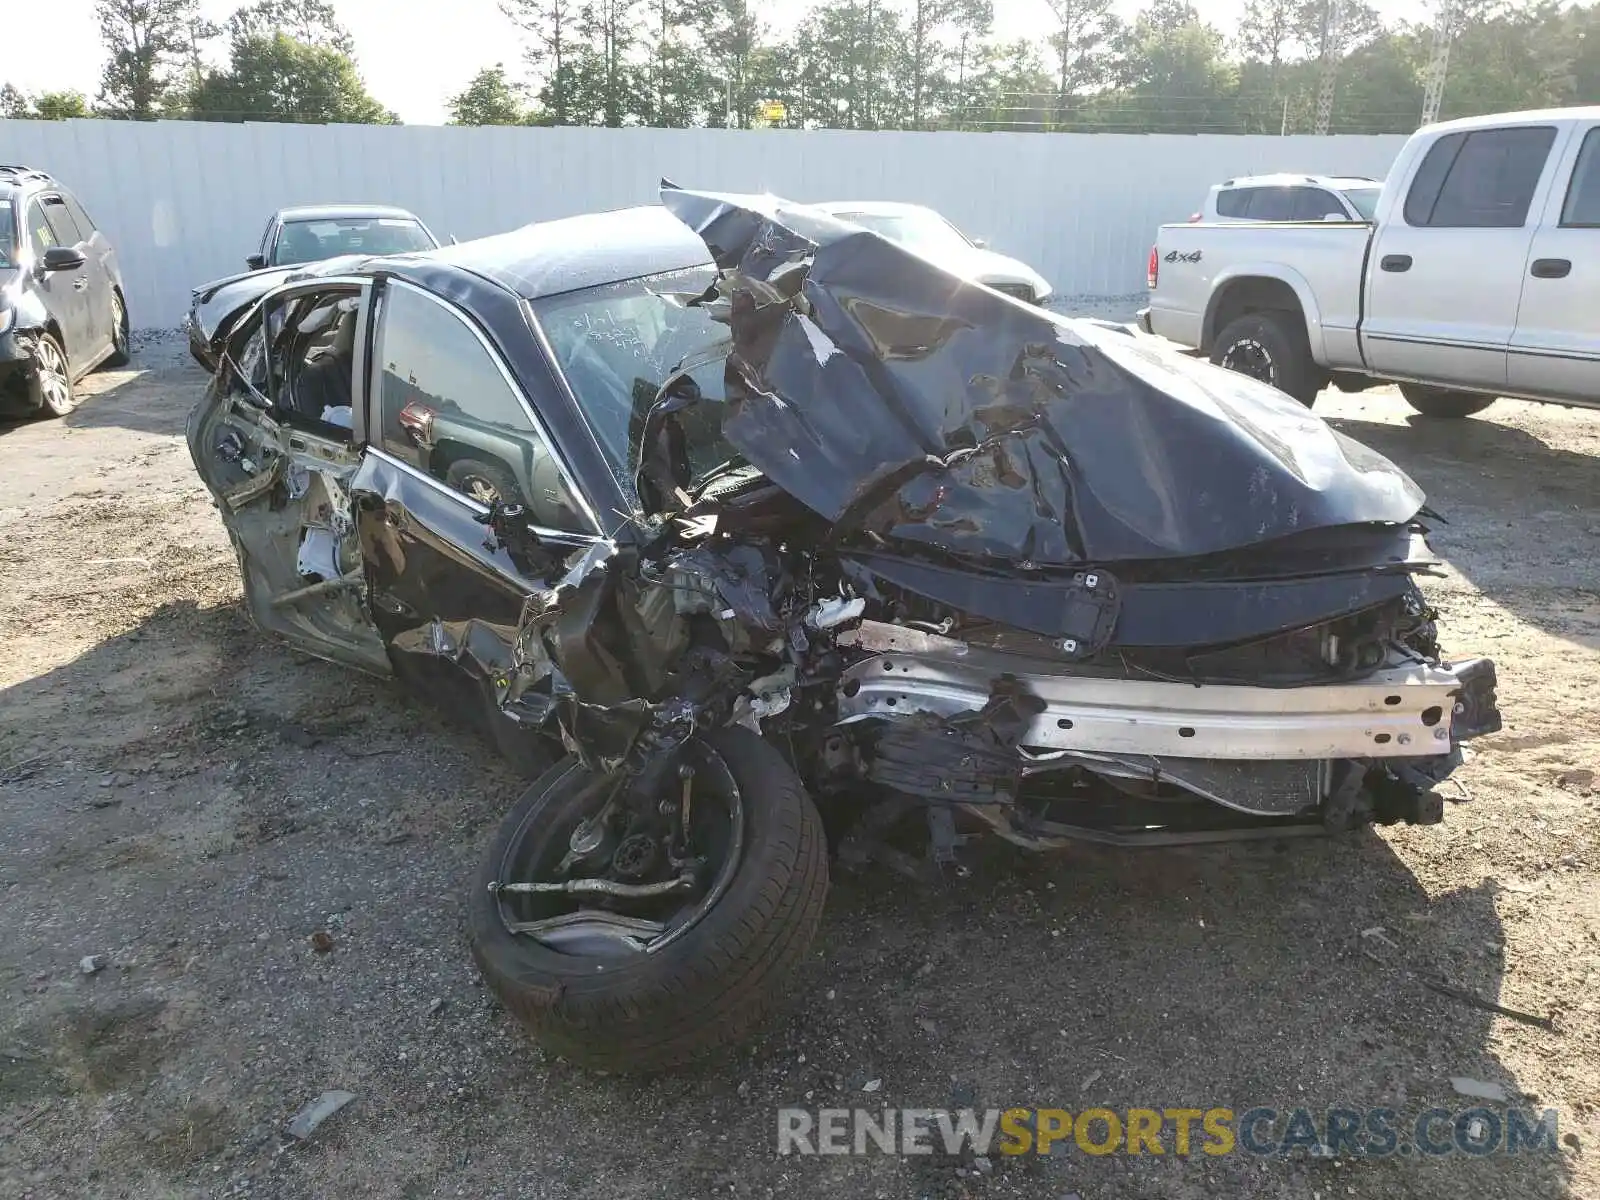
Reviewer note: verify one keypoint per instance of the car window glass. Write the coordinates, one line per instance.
(86, 227)
(447, 409)
(60, 219)
(1233, 202)
(1272, 204)
(1316, 204)
(1364, 200)
(8, 236)
(1488, 182)
(1583, 195)
(619, 344)
(40, 235)
(314, 241)
(247, 351)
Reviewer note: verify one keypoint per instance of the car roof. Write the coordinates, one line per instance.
(871, 208)
(1291, 179)
(567, 255)
(16, 177)
(1537, 116)
(330, 212)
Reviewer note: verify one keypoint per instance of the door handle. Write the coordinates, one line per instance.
(1396, 262)
(1551, 268)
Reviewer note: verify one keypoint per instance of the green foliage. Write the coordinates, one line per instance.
(275, 77)
(872, 64)
(489, 99)
(145, 43)
(46, 106)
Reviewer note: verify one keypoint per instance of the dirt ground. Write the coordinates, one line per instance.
(191, 803)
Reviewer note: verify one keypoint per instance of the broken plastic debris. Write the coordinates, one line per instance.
(305, 1122)
(91, 964)
(825, 614)
(1477, 1088)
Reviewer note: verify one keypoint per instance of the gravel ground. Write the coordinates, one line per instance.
(201, 810)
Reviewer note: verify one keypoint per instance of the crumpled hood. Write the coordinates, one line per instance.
(217, 302)
(896, 400)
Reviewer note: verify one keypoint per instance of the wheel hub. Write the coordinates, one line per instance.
(634, 858)
(1250, 357)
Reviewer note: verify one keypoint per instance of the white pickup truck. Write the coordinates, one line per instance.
(1478, 277)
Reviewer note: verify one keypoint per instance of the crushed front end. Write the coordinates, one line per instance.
(985, 568)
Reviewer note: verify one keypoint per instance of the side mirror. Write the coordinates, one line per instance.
(256, 262)
(63, 258)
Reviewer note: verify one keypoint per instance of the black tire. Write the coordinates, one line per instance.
(1444, 404)
(121, 355)
(50, 386)
(694, 996)
(484, 481)
(1271, 347)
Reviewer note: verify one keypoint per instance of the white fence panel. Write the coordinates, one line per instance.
(184, 202)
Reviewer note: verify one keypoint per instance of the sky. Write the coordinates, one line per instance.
(412, 60)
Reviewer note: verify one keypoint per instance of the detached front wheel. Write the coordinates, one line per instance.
(641, 927)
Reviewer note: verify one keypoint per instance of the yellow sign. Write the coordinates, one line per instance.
(773, 110)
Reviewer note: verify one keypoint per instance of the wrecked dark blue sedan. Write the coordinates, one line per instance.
(758, 535)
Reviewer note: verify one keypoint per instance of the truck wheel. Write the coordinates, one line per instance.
(630, 984)
(1271, 347)
(1439, 402)
(485, 482)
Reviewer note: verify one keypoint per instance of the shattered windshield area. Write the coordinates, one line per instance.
(620, 343)
(924, 231)
(313, 241)
(8, 236)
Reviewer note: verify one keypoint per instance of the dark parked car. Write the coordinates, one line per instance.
(786, 517)
(294, 238)
(62, 309)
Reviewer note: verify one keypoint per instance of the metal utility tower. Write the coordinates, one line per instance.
(1330, 64)
(1433, 88)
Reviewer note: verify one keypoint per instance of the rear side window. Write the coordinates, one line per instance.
(1272, 204)
(1484, 179)
(1316, 204)
(1233, 202)
(1582, 208)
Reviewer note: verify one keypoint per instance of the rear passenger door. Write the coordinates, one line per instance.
(101, 263)
(1445, 272)
(1555, 352)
